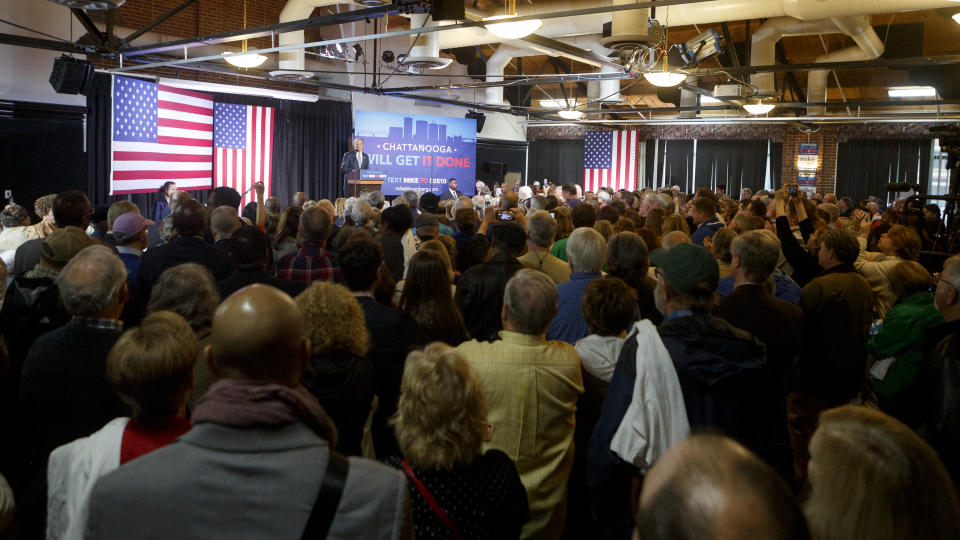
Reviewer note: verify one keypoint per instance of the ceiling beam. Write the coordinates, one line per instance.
(46, 44)
(89, 26)
(362, 14)
(265, 30)
(159, 20)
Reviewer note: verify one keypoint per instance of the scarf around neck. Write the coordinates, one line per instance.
(248, 404)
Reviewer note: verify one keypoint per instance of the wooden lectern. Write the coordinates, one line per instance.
(360, 179)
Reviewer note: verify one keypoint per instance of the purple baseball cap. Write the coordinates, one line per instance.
(129, 225)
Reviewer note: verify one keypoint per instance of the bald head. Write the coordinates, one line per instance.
(189, 218)
(298, 199)
(258, 334)
(709, 486)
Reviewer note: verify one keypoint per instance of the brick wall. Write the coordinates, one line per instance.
(826, 138)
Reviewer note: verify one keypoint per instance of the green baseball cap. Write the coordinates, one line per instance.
(62, 244)
(684, 265)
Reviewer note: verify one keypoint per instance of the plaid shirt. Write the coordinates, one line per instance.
(310, 263)
(99, 324)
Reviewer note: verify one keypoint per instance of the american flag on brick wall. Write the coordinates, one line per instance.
(243, 147)
(159, 134)
(610, 160)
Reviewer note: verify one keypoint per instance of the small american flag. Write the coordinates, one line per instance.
(243, 147)
(159, 134)
(610, 160)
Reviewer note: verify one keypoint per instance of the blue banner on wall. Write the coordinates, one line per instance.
(419, 152)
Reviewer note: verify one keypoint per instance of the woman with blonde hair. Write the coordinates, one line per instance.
(674, 222)
(872, 477)
(426, 297)
(285, 239)
(896, 245)
(441, 425)
(339, 375)
(605, 229)
(654, 221)
(151, 369)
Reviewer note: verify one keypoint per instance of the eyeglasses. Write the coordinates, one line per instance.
(937, 278)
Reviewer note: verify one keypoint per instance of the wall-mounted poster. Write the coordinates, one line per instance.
(808, 156)
(418, 152)
(807, 181)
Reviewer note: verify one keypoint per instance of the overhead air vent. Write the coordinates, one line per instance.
(424, 48)
(425, 62)
(291, 75)
(96, 5)
(632, 29)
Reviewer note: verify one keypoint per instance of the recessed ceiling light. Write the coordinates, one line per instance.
(912, 91)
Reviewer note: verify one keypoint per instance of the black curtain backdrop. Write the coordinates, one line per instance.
(738, 164)
(309, 139)
(866, 166)
(557, 160)
(41, 151)
(674, 163)
(513, 154)
(776, 165)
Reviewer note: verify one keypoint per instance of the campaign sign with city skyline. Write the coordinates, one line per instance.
(419, 152)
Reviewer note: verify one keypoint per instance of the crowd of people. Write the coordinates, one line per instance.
(530, 362)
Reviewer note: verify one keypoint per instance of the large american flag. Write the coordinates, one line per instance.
(243, 146)
(610, 160)
(159, 134)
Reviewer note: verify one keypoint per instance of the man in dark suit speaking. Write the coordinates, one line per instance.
(353, 160)
(451, 192)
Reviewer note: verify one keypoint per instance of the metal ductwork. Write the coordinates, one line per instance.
(495, 66)
(293, 61)
(424, 48)
(868, 46)
(764, 41)
(764, 44)
(605, 90)
(632, 29)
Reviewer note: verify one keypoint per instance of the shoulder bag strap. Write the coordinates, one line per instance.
(427, 496)
(328, 498)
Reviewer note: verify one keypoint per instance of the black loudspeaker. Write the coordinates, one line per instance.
(493, 168)
(447, 10)
(71, 76)
(479, 117)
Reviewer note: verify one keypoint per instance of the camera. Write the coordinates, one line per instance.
(506, 216)
(792, 190)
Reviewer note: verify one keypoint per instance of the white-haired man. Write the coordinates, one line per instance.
(586, 250)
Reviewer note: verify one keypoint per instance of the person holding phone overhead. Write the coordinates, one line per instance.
(354, 160)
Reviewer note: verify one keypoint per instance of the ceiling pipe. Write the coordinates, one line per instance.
(868, 46)
(764, 43)
(296, 10)
(495, 66)
(605, 90)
